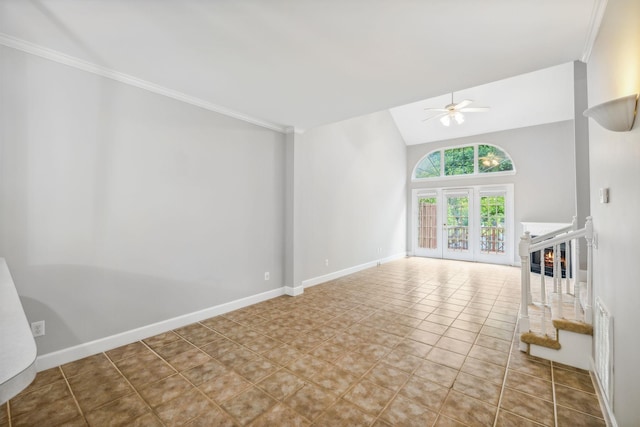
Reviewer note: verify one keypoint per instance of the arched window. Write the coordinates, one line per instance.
(468, 160)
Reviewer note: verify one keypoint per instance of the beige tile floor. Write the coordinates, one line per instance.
(415, 342)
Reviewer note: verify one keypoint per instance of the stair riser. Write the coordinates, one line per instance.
(575, 351)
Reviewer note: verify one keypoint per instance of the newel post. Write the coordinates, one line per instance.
(588, 308)
(525, 285)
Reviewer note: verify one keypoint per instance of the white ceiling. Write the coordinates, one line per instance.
(304, 63)
(530, 99)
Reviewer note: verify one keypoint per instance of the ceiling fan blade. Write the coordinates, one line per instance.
(442, 110)
(436, 116)
(463, 104)
(474, 109)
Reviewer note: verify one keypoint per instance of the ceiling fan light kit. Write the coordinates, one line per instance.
(452, 116)
(454, 112)
(617, 115)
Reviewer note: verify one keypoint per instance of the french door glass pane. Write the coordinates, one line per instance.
(492, 238)
(458, 223)
(427, 223)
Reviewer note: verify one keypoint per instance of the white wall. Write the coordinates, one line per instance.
(613, 71)
(544, 183)
(350, 194)
(120, 208)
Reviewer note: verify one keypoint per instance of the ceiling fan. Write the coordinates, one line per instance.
(453, 112)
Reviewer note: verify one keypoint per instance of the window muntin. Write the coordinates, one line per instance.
(468, 160)
(429, 167)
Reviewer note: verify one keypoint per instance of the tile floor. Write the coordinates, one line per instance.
(415, 342)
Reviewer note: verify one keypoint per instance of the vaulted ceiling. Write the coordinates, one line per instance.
(303, 63)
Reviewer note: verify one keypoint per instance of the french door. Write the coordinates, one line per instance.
(472, 224)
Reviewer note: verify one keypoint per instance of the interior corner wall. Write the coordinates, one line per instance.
(120, 208)
(544, 183)
(613, 71)
(351, 201)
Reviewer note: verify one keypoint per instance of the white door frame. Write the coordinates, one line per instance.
(476, 192)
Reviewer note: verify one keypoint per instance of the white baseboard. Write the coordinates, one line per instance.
(80, 351)
(293, 291)
(606, 406)
(340, 273)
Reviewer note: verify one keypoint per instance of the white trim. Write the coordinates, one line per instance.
(294, 291)
(597, 13)
(89, 67)
(608, 411)
(340, 273)
(293, 130)
(90, 348)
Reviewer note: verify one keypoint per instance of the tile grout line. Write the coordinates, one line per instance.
(73, 395)
(475, 343)
(506, 374)
(555, 402)
(135, 390)
(9, 413)
(185, 378)
(405, 335)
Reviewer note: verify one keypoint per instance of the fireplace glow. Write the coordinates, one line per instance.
(543, 260)
(548, 258)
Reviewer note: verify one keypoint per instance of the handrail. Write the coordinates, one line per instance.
(553, 233)
(556, 240)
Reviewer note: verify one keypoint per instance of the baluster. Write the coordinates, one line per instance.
(576, 288)
(554, 273)
(543, 285)
(557, 276)
(525, 286)
(567, 261)
(588, 309)
(543, 320)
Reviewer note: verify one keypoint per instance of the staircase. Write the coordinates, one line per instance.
(556, 315)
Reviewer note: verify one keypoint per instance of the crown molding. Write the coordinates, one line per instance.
(597, 13)
(293, 130)
(59, 57)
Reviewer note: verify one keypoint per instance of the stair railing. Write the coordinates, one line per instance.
(568, 236)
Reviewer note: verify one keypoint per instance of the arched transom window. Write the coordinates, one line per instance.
(476, 159)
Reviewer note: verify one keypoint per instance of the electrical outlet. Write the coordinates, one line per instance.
(326, 262)
(266, 275)
(37, 328)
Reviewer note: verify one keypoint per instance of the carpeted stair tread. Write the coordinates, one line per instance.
(541, 340)
(573, 326)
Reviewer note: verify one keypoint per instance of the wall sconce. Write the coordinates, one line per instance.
(617, 115)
